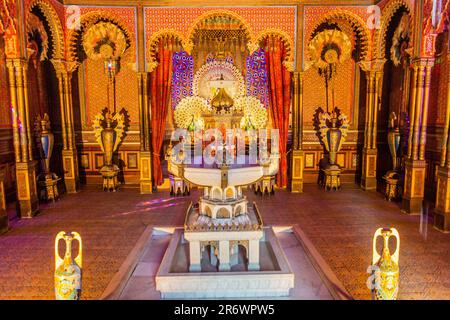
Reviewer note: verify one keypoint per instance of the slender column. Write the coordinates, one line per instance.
(145, 157)
(253, 255)
(297, 157)
(194, 256)
(27, 111)
(25, 166)
(145, 154)
(442, 208)
(374, 75)
(22, 110)
(64, 71)
(415, 165)
(12, 91)
(224, 255)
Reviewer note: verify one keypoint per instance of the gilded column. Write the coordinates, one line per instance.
(374, 76)
(297, 158)
(442, 208)
(415, 164)
(25, 165)
(145, 157)
(64, 71)
(145, 154)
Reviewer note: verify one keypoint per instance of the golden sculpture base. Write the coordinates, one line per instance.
(48, 187)
(392, 191)
(109, 174)
(178, 186)
(265, 186)
(331, 177)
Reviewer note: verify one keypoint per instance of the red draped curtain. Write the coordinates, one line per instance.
(279, 90)
(160, 80)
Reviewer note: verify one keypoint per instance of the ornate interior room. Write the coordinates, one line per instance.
(354, 93)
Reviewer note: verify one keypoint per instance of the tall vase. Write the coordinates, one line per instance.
(47, 181)
(386, 266)
(392, 177)
(394, 146)
(47, 142)
(108, 139)
(334, 136)
(67, 269)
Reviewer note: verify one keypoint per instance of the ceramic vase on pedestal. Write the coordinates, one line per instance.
(392, 177)
(47, 180)
(109, 130)
(385, 266)
(67, 269)
(332, 138)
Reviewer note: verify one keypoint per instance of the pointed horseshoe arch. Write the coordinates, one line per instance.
(152, 46)
(288, 44)
(387, 14)
(357, 23)
(217, 13)
(89, 19)
(55, 25)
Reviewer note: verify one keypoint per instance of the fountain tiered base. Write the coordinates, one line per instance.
(224, 250)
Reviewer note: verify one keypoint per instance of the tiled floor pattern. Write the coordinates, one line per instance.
(340, 225)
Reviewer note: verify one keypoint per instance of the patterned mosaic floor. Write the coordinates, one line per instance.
(340, 224)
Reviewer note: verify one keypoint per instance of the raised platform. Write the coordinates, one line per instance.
(137, 278)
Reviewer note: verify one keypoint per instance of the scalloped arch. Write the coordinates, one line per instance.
(358, 23)
(388, 14)
(153, 42)
(55, 25)
(89, 19)
(217, 13)
(288, 43)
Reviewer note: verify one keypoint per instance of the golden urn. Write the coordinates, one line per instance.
(385, 266)
(67, 269)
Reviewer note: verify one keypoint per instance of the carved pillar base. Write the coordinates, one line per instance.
(178, 186)
(266, 185)
(369, 169)
(70, 165)
(442, 210)
(26, 189)
(3, 216)
(297, 171)
(414, 186)
(146, 172)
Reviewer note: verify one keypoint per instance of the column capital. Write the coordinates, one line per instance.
(64, 67)
(16, 62)
(422, 62)
(375, 65)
